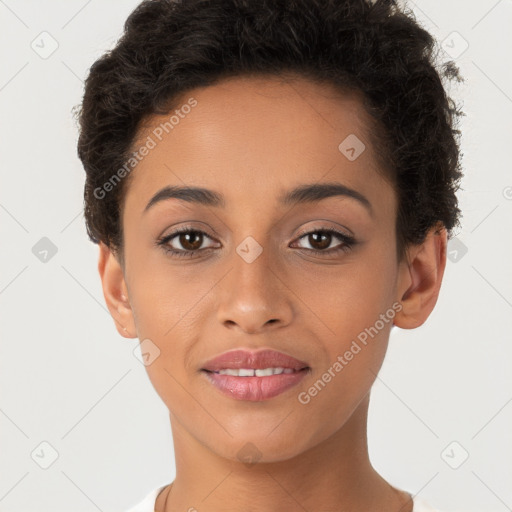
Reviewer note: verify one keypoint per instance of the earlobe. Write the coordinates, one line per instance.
(116, 292)
(420, 278)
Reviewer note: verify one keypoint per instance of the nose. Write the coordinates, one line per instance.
(254, 295)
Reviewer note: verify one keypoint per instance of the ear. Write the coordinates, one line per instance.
(420, 278)
(115, 292)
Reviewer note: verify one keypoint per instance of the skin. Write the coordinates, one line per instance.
(251, 139)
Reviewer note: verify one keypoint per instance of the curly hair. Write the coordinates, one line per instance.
(373, 47)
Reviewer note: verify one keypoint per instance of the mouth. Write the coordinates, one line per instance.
(254, 384)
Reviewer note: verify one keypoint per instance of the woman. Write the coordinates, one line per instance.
(272, 186)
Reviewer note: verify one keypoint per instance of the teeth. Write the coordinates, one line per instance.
(249, 372)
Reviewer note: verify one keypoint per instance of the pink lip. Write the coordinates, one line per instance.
(254, 388)
(256, 360)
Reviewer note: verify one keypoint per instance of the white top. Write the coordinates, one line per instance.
(148, 503)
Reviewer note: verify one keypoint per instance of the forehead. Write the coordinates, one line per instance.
(255, 137)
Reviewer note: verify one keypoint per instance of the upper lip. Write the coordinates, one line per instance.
(242, 358)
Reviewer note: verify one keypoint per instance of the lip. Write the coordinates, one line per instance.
(254, 388)
(259, 360)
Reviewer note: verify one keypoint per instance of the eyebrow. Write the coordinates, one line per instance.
(302, 194)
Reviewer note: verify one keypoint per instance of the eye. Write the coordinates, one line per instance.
(321, 239)
(190, 240)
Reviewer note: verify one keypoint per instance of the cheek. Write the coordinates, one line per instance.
(352, 319)
(167, 311)
(341, 302)
(164, 296)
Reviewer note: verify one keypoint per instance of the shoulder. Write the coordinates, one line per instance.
(148, 503)
(422, 506)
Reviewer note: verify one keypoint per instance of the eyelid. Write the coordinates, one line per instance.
(307, 231)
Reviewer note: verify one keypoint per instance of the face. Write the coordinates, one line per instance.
(305, 278)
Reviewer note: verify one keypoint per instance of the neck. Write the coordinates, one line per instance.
(335, 474)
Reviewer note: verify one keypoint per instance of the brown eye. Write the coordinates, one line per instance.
(191, 240)
(184, 242)
(320, 241)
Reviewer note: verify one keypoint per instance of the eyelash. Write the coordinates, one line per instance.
(348, 242)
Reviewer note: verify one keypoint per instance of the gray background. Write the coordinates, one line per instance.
(69, 381)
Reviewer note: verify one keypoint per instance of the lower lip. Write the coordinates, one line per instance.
(255, 388)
